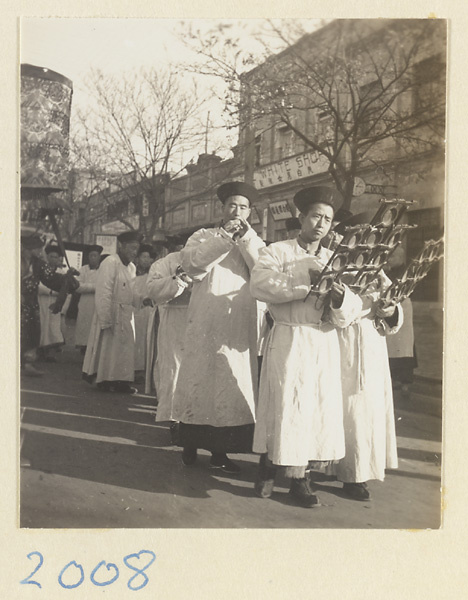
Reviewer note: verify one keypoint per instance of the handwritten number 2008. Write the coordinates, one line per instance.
(39, 565)
(68, 573)
(138, 572)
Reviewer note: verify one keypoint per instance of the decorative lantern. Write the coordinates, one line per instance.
(45, 123)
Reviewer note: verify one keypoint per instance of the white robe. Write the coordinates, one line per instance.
(172, 297)
(217, 382)
(86, 304)
(367, 394)
(151, 350)
(142, 314)
(111, 344)
(51, 325)
(300, 410)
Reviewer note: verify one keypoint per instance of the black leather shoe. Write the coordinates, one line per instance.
(302, 494)
(189, 456)
(356, 491)
(221, 461)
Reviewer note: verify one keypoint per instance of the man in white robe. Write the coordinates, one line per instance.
(142, 304)
(110, 353)
(369, 421)
(87, 279)
(217, 386)
(300, 411)
(169, 288)
(368, 416)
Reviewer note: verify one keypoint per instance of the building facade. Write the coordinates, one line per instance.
(398, 146)
(406, 161)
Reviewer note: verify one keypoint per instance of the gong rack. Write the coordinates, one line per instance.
(418, 268)
(364, 249)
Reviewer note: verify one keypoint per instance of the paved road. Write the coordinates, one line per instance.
(100, 460)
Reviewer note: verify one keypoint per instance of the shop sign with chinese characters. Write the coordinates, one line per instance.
(115, 227)
(290, 169)
(280, 210)
(108, 243)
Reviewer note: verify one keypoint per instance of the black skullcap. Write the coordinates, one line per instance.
(146, 248)
(315, 195)
(237, 188)
(95, 248)
(53, 248)
(179, 239)
(31, 242)
(129, 236)
(292, 223)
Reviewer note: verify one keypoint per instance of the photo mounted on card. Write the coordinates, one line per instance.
(232, 249)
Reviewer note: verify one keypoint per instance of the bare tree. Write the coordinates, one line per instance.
(355, 92)
(137, 130)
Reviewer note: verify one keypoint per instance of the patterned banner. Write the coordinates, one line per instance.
(45, 122)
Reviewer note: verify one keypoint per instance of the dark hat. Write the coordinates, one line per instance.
(129, 236)
(95, 248)
(359, 219)
(53, 248)
(31, 242)
(175, 240)
(315, 195)
(146, 248)
(237, 188)
(293, 223)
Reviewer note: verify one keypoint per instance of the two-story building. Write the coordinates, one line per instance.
(395, 111)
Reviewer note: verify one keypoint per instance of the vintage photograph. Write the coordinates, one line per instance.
(232, 274)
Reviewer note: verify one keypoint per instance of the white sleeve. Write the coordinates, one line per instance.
(161, 285)
(203, 251)
(105, 284)
(350, 310)
(250, 245)
(270, 284)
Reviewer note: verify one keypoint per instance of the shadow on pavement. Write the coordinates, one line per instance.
(152, 469)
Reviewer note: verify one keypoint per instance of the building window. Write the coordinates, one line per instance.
(283, 142)
(258, 150)
(324, 125)
(429, 80)
(372, 103)
(217, 209)
(145, 207)
(179, 216)
(200, 212)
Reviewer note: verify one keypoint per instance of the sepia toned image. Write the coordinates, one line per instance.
(232, 240)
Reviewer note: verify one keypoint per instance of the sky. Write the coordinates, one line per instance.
(74, 46)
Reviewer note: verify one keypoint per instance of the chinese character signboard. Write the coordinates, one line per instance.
(290, 169)
(280, 210)
(108, 243)
(115, 227)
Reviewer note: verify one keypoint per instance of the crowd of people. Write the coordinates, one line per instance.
(241, 357)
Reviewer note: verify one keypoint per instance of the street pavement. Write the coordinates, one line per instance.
(99, 460)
